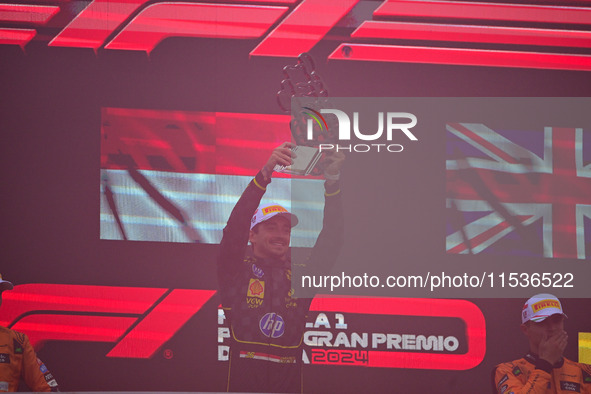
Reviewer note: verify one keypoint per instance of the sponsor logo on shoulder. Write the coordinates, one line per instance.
(18, 348)
(4, 358)
(42, 366)
(20, 337)
(516, 371)
(503, 380)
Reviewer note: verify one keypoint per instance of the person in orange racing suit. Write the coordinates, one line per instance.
(543, 369)
(266, 319)
(18, 359)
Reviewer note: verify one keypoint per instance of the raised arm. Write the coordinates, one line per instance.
(235, 237)
(330, 239)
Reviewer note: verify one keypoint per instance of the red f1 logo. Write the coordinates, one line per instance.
(109, 23)
(138, 320)
(290, 27)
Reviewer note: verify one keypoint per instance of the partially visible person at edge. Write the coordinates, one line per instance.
(544, 369)
(19, 361)
(266, 319)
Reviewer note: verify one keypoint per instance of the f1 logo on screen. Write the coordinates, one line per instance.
(93, 26)
(124, 315)
(286, 28)
(139, 319)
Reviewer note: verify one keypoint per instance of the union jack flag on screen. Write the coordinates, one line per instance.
(518, 192)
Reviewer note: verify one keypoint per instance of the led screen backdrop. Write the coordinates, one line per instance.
(175, 176)
(545, 179)
(139, 334)
(144, 121)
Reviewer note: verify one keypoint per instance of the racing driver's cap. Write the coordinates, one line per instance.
(539, 307)
(5, 285)
(268, 211)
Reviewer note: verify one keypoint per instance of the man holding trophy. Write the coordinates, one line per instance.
(266, 319)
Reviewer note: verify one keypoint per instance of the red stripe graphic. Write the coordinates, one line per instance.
(34, 14)
(548, 190)
(459, 56)
(45, 327)
(303, 28)
(190, 142)
(93, 25)
(20, 37)
(485, 11)
(161, 324)
(486, 235)
(564, 223)
(160, 21)
(472, 33)
(74, 298)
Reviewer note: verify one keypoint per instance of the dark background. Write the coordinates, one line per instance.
(50, 155)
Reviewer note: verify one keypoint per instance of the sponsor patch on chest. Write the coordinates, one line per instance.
(255, 293)
(272, 325)
(570, 386)
(256, 271)
(256, 288)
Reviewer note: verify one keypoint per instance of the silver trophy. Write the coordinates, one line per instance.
(302, 81)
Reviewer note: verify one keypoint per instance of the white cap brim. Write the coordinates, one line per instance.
(540, 318)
